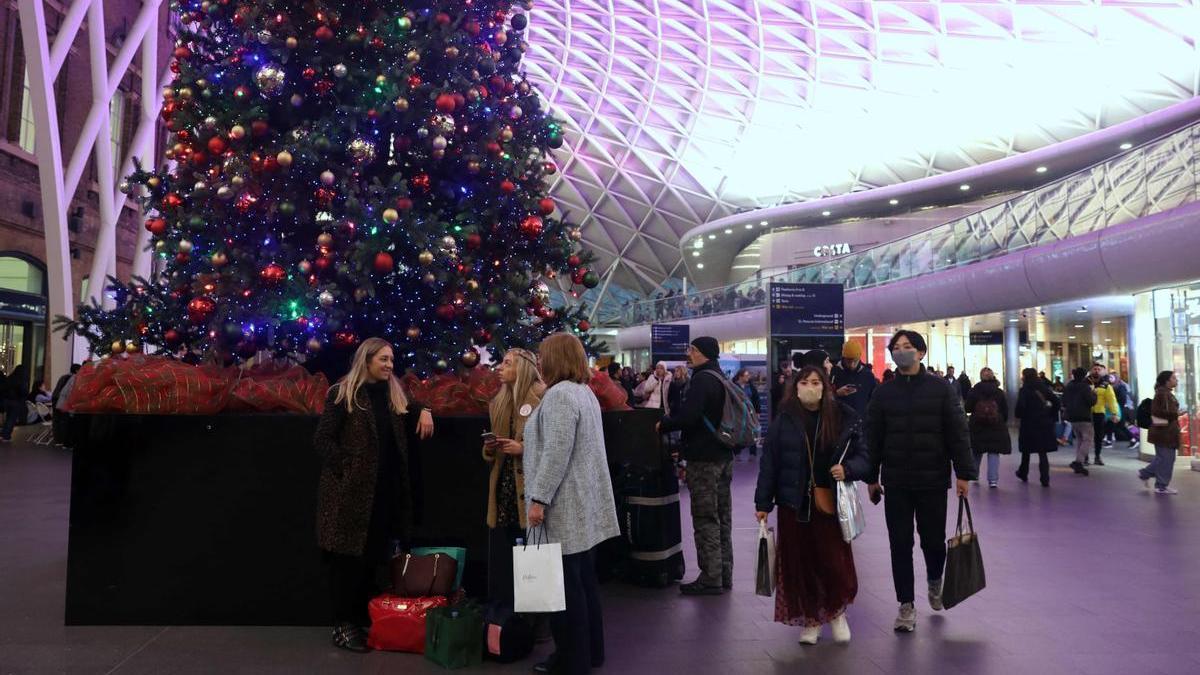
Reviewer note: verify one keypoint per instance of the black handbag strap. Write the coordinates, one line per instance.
(964, 504)
(543, 535)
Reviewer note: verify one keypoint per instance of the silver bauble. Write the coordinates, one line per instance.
(361, 150)
(270, 79)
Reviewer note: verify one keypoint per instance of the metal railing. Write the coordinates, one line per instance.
(1154, 177)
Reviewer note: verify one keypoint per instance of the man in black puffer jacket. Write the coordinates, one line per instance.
(916, 429)
(709, 468)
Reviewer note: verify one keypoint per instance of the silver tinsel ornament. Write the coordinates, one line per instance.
(270, 79)
(326, 299)
(361, 150)
(340, 70)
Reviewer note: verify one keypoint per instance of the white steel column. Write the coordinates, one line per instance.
(48, 148)
(104, 257)
(143, 145)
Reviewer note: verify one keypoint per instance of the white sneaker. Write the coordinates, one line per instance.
(906, 621)
(1166, 491)
(810, 635)
(935, 595)
(841, 629)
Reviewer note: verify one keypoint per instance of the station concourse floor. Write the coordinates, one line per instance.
(1091, 575)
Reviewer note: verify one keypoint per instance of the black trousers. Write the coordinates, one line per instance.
(352, 584)
(579, 631)
(1043, 466)
(500, 563)
(928, 508)
(1100, 429)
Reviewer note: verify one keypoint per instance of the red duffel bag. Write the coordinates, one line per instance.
(398, 624)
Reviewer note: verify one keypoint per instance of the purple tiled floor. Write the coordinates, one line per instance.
(1092, 575)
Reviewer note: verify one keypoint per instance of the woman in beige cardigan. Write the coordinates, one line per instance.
(520, 393)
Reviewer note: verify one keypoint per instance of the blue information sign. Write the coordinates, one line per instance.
(807, 310)
(669, 341)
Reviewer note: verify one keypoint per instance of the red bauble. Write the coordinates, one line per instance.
(531, 227)
(183, 53)
(445, 103)
(308, 73)
(550, 167)
(414, 81)
(384, 262)
(545, 313)
(472, 28)
(420, 181)
(345, 339)
(156, 226)
(546, 206)
(182, 258)
(585, 326)
(323, 264)
(445, 312)
(324, 34)
(216, 145)
(199, 309)
(442, 19)
(577, 275)
(259, 127)
(574, 261)
(474, 241)
(483, 336)
(404, 203)
(507, 186)
(493, 147)
(273, 274)
(172, 337)
(172, 200)
(199, 158)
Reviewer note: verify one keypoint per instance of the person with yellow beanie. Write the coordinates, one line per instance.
(853, 380)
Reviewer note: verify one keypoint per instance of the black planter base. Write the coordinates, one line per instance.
(191, 520)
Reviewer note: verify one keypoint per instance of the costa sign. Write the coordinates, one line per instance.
(831, 250)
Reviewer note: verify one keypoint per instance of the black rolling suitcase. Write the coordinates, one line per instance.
(648, 510)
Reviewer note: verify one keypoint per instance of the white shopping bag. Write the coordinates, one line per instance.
(538, 578)
(764, 569)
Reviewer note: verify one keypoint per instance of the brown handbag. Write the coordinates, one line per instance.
(822, 497)
(423, 576)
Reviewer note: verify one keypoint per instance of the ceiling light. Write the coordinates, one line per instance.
(893, 202)
(749, 226)
(1108, 339)
(1126, 145)
(699, 243)
(1070, 337)
(824, 213)
(712, 236)
(700, 266)
(1106, 321)
(728, 231)
(964, 187)
(1079, 325)
(1042, 169)
(763, 223)
(1014, 320)
(1081, 310)
(695, 254)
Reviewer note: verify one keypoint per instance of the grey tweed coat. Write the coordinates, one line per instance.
(566, 467)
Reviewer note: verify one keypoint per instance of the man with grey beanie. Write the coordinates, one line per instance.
(709, 468)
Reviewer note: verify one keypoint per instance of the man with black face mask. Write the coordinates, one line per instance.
(916, 430)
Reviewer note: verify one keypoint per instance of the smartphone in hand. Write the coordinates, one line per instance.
(488, 437)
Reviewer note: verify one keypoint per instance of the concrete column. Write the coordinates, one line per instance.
(1012, 363)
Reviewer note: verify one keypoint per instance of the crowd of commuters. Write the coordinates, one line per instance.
(672, 305)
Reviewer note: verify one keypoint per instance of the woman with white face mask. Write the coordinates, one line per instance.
(812, 443)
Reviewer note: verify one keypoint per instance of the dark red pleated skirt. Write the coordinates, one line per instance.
(814, 570)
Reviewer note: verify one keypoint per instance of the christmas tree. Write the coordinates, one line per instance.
(346, 169)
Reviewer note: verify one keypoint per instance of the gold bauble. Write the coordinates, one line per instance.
(425, 258)
(117, 346)
(413, 56)
(325, 239)
(132, 348)
(390, 216)
(284, 158)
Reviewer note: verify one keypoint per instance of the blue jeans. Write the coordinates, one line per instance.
(1161, 467)
(993, 465)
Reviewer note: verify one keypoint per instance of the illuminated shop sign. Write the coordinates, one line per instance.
(831, 250)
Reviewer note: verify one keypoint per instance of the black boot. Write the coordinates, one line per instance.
(351, 638)
(1098, 462)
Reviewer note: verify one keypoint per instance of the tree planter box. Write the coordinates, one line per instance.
(210, 520)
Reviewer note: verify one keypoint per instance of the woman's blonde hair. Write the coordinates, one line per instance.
(352, 381)
(563, 358)
(511, 396)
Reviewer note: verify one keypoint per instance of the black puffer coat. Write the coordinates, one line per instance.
(988, 438)
(916, 429)
(1037, 408)
(783, 470)
(704, 399)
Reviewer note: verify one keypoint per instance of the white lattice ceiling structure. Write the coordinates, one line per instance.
(683, 111)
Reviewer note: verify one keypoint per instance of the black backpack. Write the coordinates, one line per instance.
(1145, 418)
(1078, 406)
